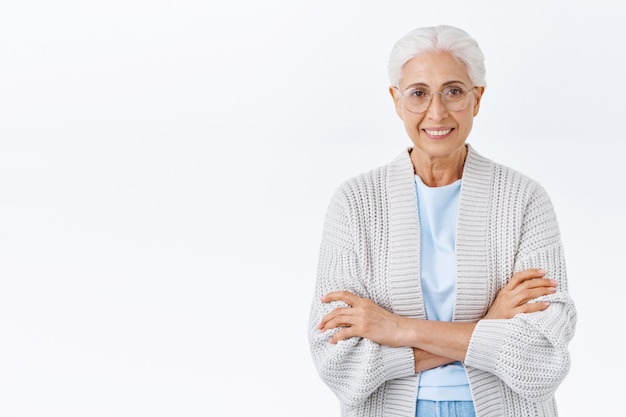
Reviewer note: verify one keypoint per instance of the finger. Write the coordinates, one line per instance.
(345, 296)
(337, 318)
(542, 284)
(340, 311)
(532, 293)
(343, 334)
(534, 307)
(525, 275)
(529, 274)
(525, 293)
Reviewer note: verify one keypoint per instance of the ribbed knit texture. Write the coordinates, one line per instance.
(371, 247)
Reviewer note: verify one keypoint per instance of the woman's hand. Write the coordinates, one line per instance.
(433, 341)
(363, 318)
(523, 287)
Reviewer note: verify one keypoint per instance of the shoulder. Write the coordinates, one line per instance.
(354, 203)
(506, 180)
(518, 201)
(369, 188)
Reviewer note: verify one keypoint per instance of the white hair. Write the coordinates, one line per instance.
(435, 39)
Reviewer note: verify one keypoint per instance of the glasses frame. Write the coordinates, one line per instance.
(430, 99)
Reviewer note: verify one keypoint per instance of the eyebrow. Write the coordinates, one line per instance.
(447, 83)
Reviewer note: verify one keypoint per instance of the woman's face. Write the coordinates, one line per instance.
(437, 132)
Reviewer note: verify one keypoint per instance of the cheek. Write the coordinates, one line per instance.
(467, 122)
(412, 123)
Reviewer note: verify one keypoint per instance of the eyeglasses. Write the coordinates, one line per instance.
(454, 98)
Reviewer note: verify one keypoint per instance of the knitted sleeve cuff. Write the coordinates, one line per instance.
(398, 362)
(486, 344)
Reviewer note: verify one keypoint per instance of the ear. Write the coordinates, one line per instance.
(395, 95)
(478, 95)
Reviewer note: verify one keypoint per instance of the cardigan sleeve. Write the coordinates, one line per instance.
(354, 368)
(529, 352)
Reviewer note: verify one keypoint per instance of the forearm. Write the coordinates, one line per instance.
(444, 340)
(425, 360)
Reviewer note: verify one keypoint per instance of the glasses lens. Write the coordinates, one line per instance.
(453, 98)
(416, 100)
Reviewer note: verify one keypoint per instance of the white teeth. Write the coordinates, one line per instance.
(437, 132)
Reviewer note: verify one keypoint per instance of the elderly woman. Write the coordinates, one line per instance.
(441, 286)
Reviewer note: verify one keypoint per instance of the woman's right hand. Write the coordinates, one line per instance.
(515, 296)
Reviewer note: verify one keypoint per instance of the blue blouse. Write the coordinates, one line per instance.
(438, 209)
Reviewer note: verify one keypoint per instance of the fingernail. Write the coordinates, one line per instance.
(541, 271)
(554, 282)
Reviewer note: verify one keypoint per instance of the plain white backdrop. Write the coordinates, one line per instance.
(165, 167)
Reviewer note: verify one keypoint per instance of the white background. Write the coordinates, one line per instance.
(165, 167)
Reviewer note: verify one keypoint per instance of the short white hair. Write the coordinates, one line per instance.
(436, 39)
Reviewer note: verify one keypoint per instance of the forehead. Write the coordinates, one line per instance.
(434, 69)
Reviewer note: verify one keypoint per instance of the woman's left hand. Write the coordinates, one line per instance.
(364, 318)
(515, 297)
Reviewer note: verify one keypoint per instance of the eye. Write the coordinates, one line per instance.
(416, 94)
(454, 92)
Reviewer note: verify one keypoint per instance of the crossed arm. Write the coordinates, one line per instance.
(434, 343)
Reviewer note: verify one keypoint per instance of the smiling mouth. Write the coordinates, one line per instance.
(440, 132)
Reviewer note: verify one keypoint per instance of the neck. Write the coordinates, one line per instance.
(439, 171)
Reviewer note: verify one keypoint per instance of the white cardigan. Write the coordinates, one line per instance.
(371, 247)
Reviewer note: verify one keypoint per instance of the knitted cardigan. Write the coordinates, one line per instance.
(371, 247)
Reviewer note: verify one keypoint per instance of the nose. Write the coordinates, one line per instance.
(436, 109)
